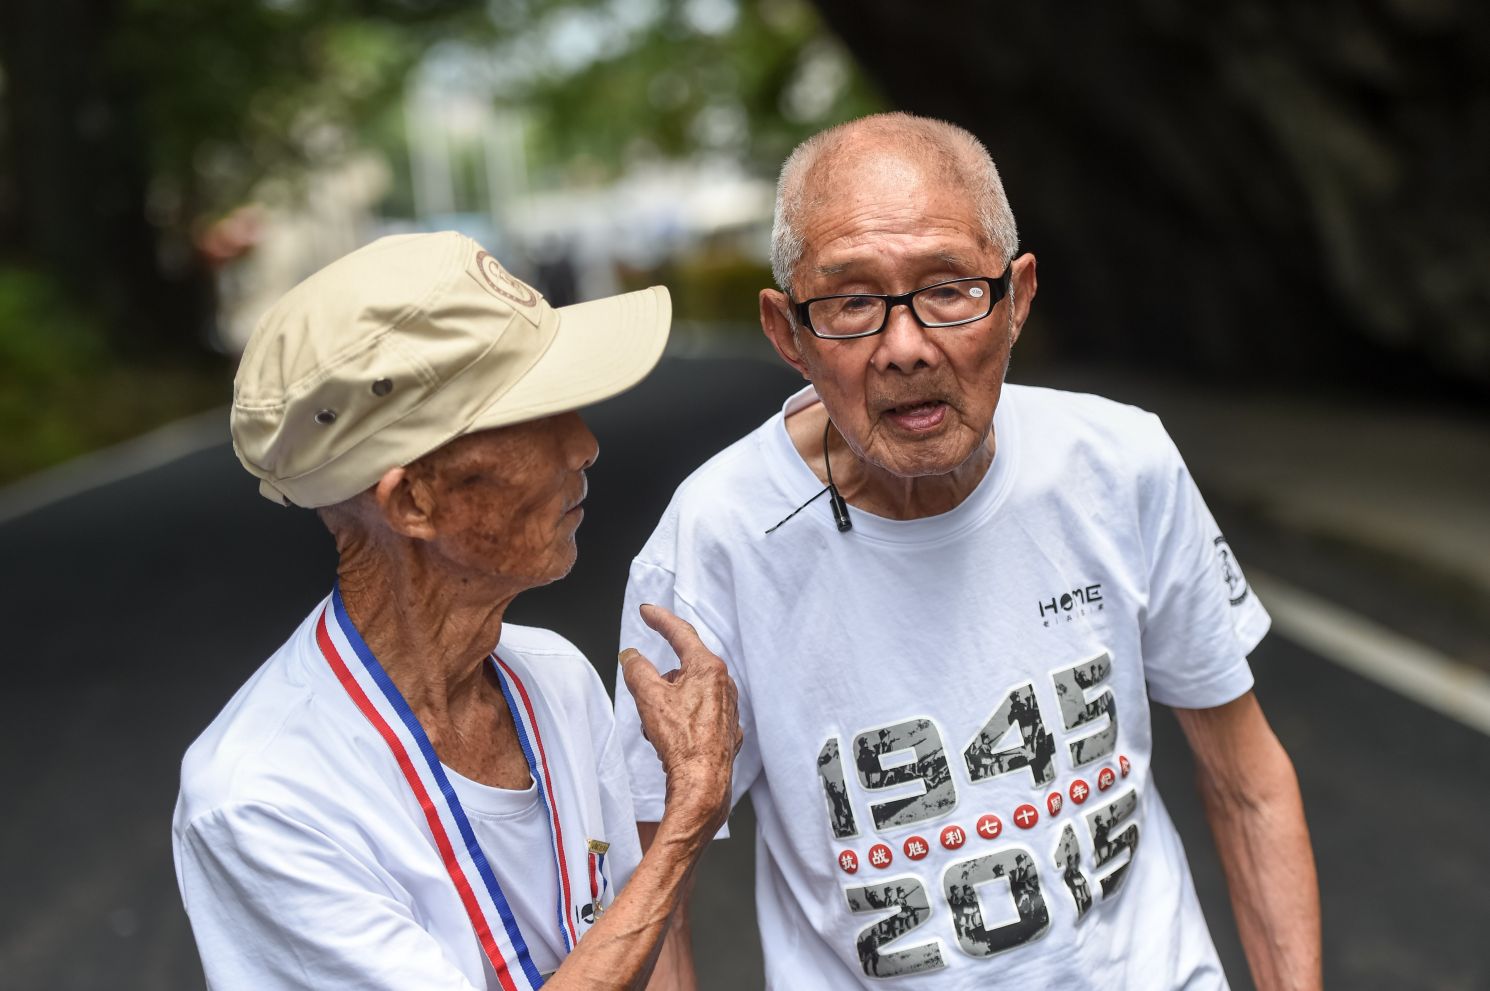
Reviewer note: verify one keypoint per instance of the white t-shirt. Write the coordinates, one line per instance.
(516, 822)
(947, 736)
(304, 860)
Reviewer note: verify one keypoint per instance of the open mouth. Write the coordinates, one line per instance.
(921, 414)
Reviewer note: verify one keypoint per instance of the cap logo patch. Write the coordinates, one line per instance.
(504, 285)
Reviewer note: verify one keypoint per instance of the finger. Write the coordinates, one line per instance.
(679, 633)
(682, 636)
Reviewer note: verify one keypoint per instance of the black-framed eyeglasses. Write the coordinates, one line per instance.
(863, 314)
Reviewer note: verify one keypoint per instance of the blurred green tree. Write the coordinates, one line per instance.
(128, 127)
(130, 123)
(747, 80)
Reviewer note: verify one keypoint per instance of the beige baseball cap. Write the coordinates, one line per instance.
(414, 340)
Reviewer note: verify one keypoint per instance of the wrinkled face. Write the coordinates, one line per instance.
(914, 401)
(506, 501)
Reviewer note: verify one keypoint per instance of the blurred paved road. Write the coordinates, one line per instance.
(134, 611)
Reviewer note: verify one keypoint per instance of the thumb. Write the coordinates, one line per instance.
(640, 674)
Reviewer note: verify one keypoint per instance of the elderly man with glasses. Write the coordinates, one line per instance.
(945, 675)
(413, 793)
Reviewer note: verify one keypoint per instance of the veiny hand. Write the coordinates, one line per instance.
(690, 717)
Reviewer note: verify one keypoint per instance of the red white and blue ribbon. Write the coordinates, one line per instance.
(521, 705)
(381, 703)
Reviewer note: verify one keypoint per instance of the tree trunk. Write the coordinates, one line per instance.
(76, 162)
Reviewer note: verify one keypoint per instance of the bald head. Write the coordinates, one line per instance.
(882, 148)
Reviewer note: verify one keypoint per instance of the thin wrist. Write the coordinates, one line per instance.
(708, 792)
(690, 824)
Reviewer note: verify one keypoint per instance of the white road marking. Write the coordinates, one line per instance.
(1388, 658)
(132, 457)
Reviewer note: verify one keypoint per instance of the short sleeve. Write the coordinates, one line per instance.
(616, 808)
(1202, 620)
(648, 583)
(274, 903)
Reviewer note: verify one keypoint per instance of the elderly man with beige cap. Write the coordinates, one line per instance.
(410, 794)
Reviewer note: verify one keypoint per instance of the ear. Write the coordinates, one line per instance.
(1022, 286)
(406, 503)
(776, 321)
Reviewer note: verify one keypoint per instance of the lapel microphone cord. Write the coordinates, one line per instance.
(835, 501)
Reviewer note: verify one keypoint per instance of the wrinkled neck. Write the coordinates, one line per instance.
(431, 632)
(883, 493)
(869, 487)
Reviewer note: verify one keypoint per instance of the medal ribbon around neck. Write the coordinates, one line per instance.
(380, 702)
(532, 743)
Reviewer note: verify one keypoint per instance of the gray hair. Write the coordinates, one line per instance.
(955, 155)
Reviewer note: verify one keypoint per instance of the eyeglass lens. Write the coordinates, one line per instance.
(950, 303)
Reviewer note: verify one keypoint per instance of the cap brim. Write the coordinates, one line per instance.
(601, 349)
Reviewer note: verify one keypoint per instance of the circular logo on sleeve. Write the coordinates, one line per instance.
(1105, 778)
(880, 856)
(916, 848)
(849, 861)
(1231, 572)
(1079, 791)
(1026, 816)
(1124, 765)
(953, 837)
(990, 826)
(1054, 802)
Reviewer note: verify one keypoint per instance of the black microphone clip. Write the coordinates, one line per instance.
(840, 510)
(835, 501)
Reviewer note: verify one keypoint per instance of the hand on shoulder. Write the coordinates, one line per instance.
(690, 717)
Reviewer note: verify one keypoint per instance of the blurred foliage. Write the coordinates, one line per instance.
(204, 99)
(43, 334)
(604, 85)
(234, 92)
(231, 93)
(717, 285)
(128, 128)
(62, 395)
(749, 80)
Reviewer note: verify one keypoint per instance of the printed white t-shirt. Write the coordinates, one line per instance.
(947, 737)
(304, 860)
